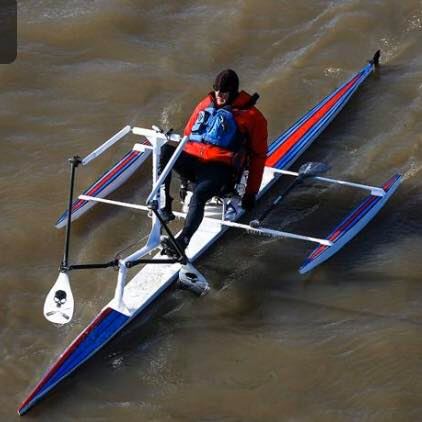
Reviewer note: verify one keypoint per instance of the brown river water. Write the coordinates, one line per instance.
(343, 343)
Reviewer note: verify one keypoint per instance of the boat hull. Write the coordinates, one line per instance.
(351, 225)
(106, 184)
(149, 284)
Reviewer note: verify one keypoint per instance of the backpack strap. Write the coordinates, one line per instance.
(252, 101)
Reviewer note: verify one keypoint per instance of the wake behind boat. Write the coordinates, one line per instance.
(132, 298)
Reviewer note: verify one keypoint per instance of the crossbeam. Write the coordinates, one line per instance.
(261, 231)
(142, 147)
(272, 232)
(106, 145)
(376, 191)
(150, 133)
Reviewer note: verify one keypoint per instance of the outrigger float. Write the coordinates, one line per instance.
(159, 274)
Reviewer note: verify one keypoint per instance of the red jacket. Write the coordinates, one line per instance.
(251, 122)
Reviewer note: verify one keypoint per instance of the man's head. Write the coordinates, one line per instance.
(226, 87)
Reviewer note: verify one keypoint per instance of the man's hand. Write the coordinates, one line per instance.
(248, 201)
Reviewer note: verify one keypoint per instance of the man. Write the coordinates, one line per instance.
(226, 134)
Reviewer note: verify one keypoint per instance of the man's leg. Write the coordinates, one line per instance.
(210, 180)
(166, 153)
(183, 167)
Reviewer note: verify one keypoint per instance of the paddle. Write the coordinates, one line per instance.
(59, 303)
(306, 170)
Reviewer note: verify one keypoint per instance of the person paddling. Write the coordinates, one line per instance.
(227, 134)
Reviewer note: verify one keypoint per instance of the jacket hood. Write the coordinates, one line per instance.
(242, 100)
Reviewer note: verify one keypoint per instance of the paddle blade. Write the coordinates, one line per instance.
(59, 304)
(312, 169)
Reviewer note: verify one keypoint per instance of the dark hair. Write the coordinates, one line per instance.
(227, 81)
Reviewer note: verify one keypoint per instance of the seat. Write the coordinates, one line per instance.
(226, 205)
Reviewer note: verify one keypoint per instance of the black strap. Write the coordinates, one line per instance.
(252, 101)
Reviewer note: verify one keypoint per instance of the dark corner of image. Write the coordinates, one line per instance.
(8, 31)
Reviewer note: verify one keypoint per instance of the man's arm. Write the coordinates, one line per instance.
(258, 154)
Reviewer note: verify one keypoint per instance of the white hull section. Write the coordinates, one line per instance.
(153, 279)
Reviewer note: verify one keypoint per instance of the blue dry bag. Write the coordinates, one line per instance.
(217, 127)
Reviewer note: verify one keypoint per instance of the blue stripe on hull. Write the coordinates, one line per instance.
(128, 165)
(102, 329)
(95, 336)
(351, 225)
(317, 129)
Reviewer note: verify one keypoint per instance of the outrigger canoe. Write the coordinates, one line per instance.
(133, 298)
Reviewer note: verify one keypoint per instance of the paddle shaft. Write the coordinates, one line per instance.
(257, 222)
(74, 162)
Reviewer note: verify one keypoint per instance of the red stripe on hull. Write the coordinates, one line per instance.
(301, 131)
(65, 355)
